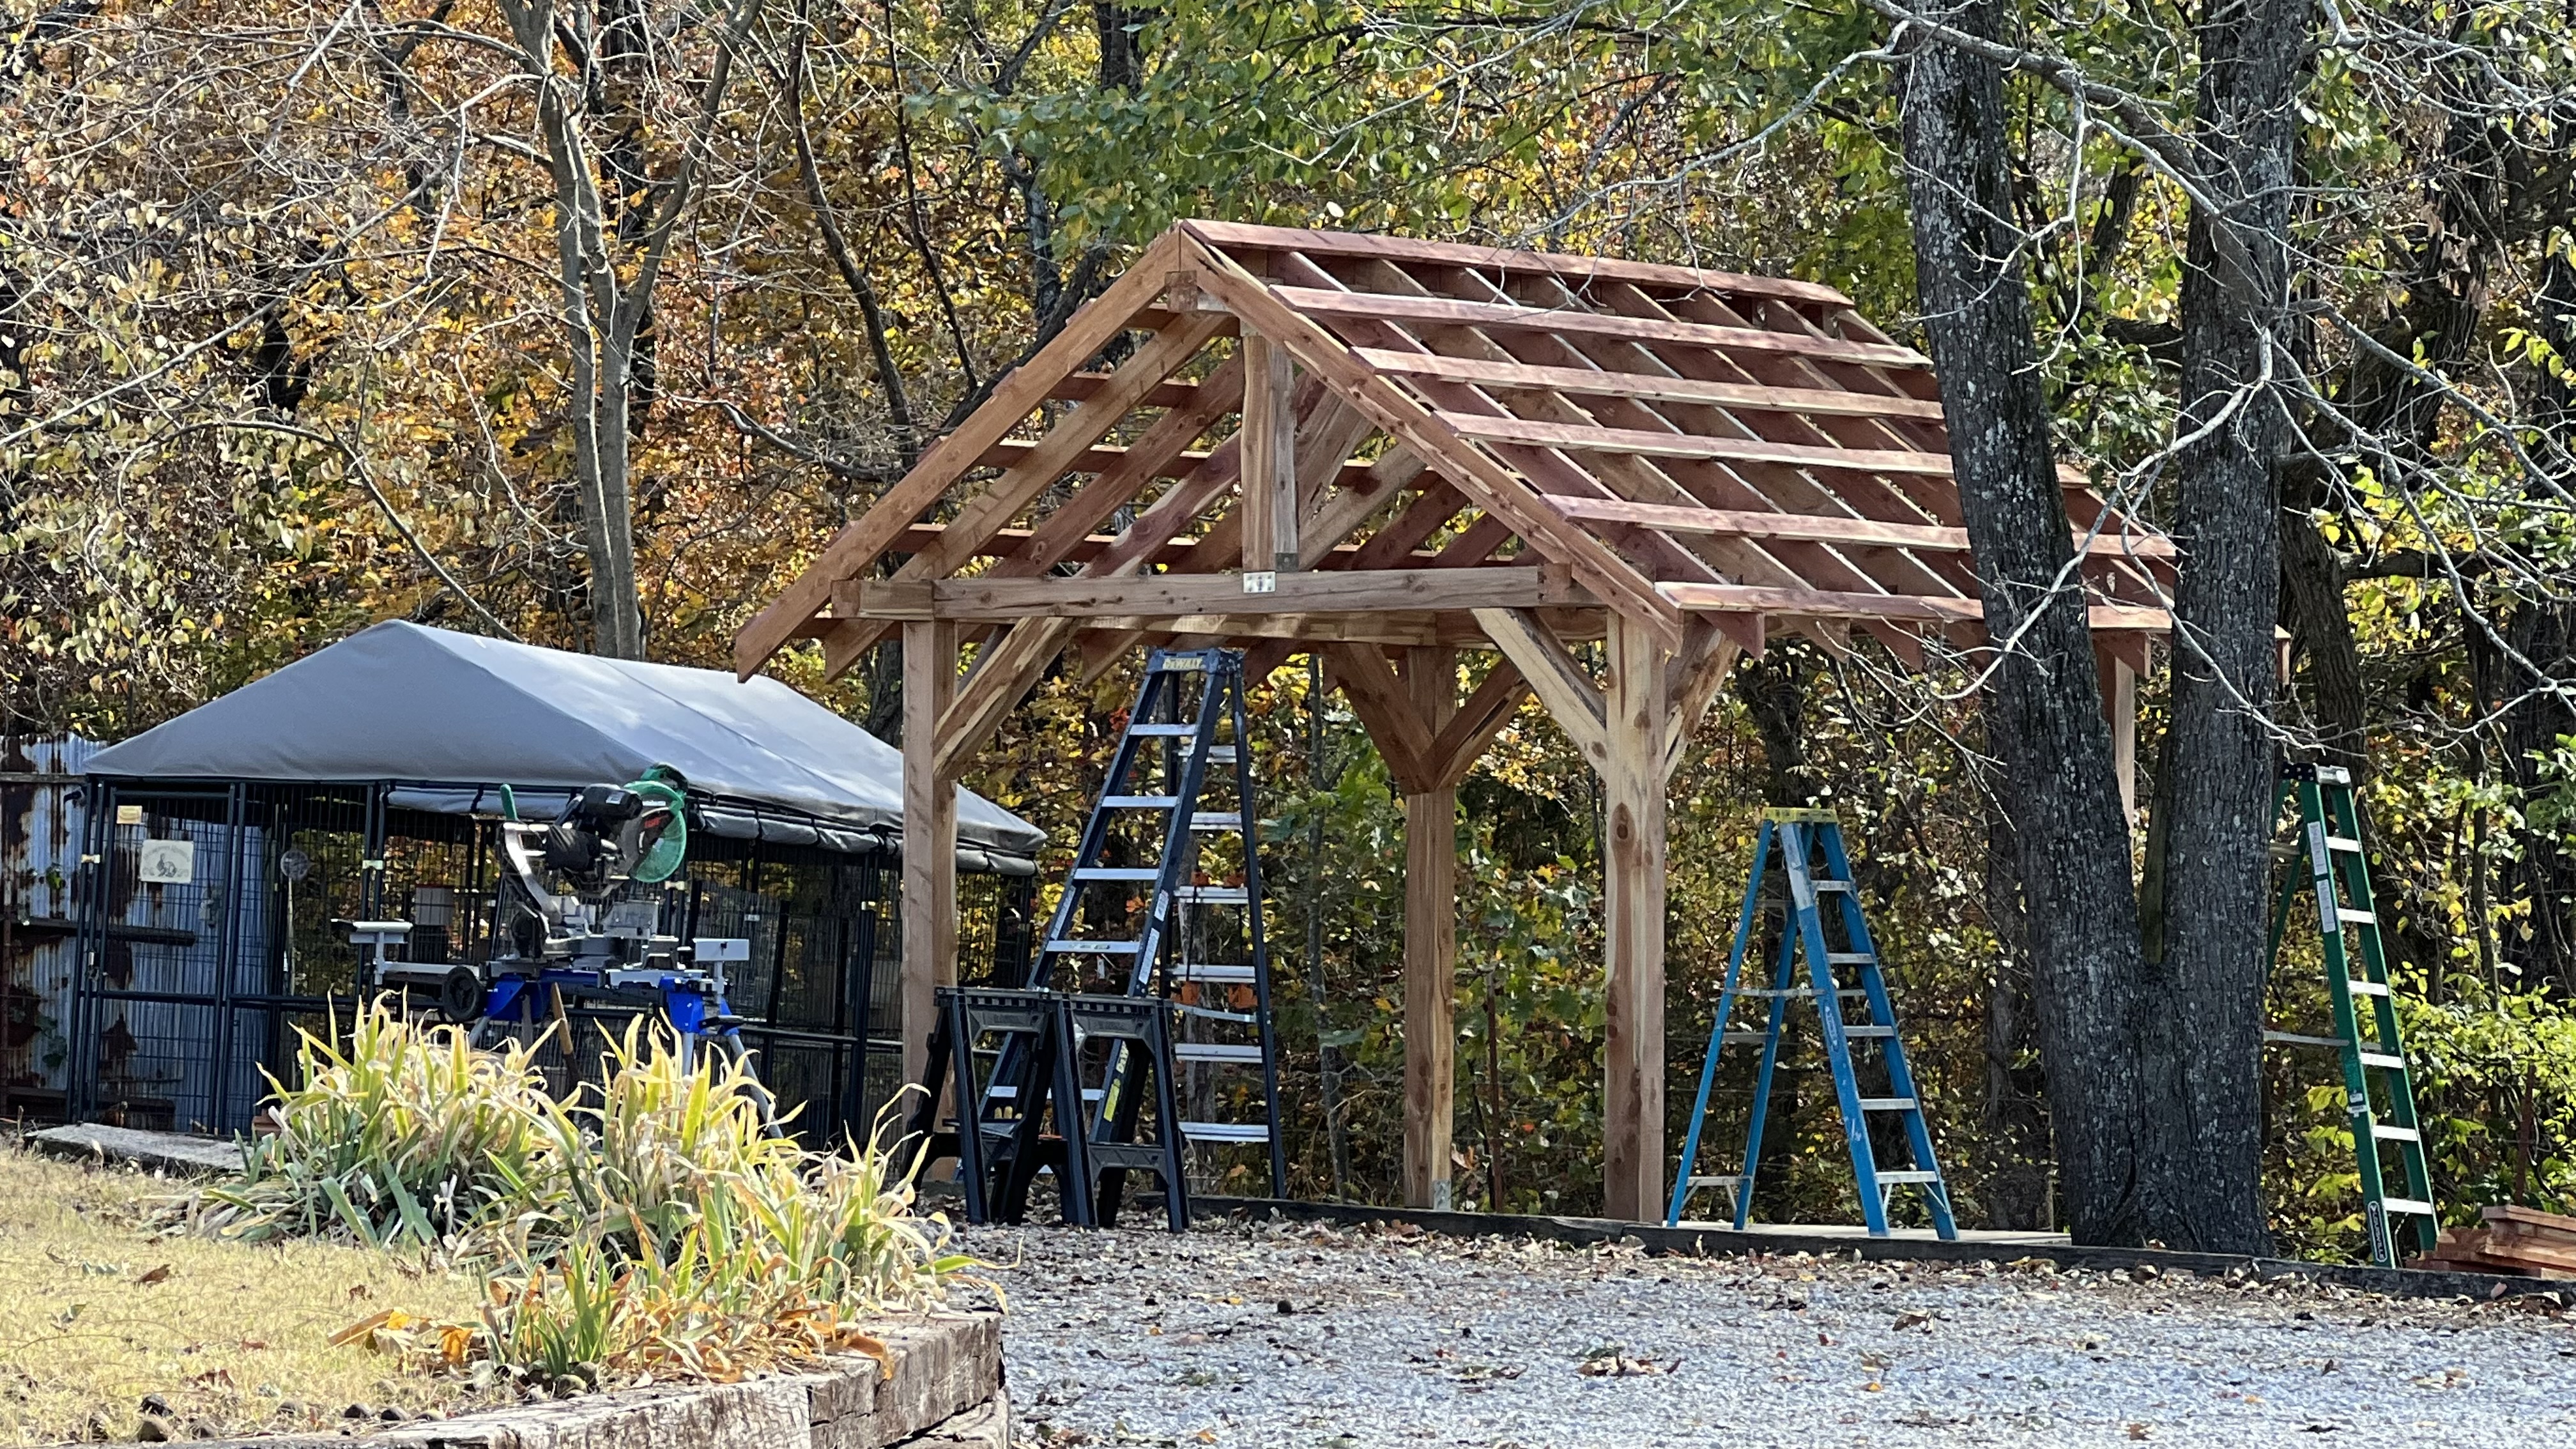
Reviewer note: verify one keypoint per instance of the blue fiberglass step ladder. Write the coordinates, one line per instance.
(1815, 866)
(2374, 1060)
(1153, 976)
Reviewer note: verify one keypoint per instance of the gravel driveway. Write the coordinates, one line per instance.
(1305, 1335)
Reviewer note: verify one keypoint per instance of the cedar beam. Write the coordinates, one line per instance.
(1430, 946)
(985, 599)
(1462, 740)
(1638, 725)
(1648, 387)
(1385, 708)
(1269, 510)
(1816, 528)
(1560, 683)
(929, 901)
(2120, 707)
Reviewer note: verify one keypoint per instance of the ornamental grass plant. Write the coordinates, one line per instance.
(656, 1225)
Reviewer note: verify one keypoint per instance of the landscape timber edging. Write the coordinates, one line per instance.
(169, 1152)
(1702, 1242)
(946, 1393)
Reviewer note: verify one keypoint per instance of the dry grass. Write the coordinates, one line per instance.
(98, 1310)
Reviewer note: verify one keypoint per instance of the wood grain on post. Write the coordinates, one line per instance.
(1269, 457)
(1633, 794)
(1430, 946)
(929, 837)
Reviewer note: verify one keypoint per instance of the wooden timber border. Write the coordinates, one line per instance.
(1708, 1242)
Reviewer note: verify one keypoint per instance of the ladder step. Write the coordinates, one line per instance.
(2350, 917)
(1162, 731)
(1116, 872)
(2344, 843)
(1824, 887)
(1212, 971)
(2382, 1061)
(2387, 1133)
(2291, 1038)
(1887, 1104)
(1731, 1184)
(1217, 820)
(1208, 1051)
(1220, 754)
(1097, 948)
(1850, 958)
(1768, 991)
(1216, 895)
(1226, 1131)
(1139, 802)
(1870, 1033)
(1746, 1036)
(1003, 1090)
(1906, 1177)
(2366, 988)
(2416, 1206)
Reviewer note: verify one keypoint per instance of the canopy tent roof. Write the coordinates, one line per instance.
(1440, 435)
(451, 715)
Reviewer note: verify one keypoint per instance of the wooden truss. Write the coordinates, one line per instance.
(1385, 451)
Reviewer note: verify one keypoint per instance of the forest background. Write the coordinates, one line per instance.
(587, 321)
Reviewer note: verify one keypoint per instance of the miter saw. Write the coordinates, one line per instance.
(577, 921)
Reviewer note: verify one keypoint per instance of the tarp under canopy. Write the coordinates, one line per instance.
(450, 715)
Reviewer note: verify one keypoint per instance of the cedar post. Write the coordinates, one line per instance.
(1430, 947)
(1269, 457)
(2120, 707)
(1632, 779)
(929, 838)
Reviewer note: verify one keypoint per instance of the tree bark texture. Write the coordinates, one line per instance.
(2208, 1153)
(2043, 711)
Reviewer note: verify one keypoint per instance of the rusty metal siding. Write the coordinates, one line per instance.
(42, 821)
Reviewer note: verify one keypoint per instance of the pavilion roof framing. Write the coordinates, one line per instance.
(1469, 430)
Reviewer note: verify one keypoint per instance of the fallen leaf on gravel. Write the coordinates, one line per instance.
(2137, 1431)
(1905, 1321)
(154, 1275)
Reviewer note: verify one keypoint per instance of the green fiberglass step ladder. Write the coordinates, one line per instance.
(1132, 955)
(1816, 866)
(2374, 1060)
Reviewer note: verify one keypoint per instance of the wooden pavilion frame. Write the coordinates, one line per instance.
(1387, 451)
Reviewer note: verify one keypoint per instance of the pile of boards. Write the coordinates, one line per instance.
(2508, 1240)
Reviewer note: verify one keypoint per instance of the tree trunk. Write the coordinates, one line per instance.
(2206, 1193)
(2043, 711)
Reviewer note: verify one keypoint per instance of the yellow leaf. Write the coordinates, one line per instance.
(363, 1327)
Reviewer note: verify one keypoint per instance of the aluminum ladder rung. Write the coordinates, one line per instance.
(1225, 1131)
(2382, 1061)
(1162, 731)
(2343, 843)
(1139, 802)
(2366, 988)
(1212, 971)
(1215, 895)
(1210, 1051)
(1746, 1036)
(1729, 1183)
(1907, 1177)
(1096, 948)
(1217, 820)
(2417, 1206)
(1869, 1032)
(1887, 1104)
(1770, 991)
(1116, 872)
(1851, 958)
(2291, 1038)
(1831, 887)
(2347, 916)
(2387, 1133)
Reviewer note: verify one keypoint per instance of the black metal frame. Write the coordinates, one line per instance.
(202, 982)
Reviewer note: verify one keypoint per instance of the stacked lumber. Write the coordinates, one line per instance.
(2508, 1240)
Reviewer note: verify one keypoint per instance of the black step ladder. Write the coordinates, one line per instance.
(1144, 918)
(2336, 870)
(1815, 866)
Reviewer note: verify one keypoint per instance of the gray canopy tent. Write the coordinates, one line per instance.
(361, 781)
